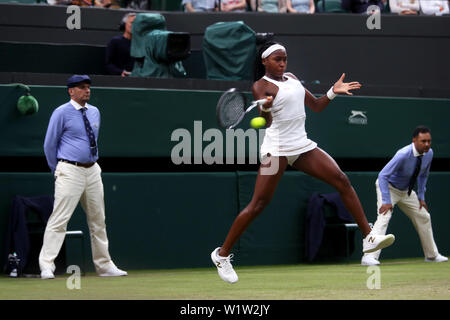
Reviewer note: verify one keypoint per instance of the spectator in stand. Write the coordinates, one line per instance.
(434, 7)
(138, 4)
(232, 5)
(360, 6)
(300, 6)
(118, 58)
(87, 3)
(268, 5)
(199, 5)
(59, 2)
(403, 7)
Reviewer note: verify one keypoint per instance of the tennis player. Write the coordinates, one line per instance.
(286, 143)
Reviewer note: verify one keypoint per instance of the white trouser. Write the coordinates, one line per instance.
(72, 185)
(419, 217)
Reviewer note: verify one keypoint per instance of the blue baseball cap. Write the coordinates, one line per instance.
(74, 80)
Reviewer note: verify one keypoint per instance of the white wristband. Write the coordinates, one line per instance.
(330, 94)
(265, 109)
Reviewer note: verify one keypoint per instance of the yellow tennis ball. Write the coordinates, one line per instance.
(258, 122)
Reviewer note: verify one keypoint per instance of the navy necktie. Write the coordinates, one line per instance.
(413, 179)
(90, 133)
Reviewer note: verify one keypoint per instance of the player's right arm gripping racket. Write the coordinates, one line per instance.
(231, 108)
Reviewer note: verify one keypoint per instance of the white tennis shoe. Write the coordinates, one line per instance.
(113, 271)
(47, 274)
(368, 260)
(224, 267)
(374, 242)
(438, 258)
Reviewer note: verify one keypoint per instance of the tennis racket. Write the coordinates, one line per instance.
(232, 107)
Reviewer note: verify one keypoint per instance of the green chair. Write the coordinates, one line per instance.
(330, 6)
(74, 248)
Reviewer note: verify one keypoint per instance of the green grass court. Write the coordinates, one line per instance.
(401, 279)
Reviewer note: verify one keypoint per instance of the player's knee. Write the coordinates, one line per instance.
(342, 182)
(259, 205)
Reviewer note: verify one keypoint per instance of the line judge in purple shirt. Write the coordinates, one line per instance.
(71, 150)
(395, 185)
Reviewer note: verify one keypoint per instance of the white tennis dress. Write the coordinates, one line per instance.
(287, 136)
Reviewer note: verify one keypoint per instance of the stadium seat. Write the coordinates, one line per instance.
(74, 245)
(349, 231)
(330, 6)
(25, 235)
(330, 228)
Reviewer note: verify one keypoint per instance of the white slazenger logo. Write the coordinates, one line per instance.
(358, 117)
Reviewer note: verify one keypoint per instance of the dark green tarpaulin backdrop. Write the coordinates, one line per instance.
(174, 220)
(151, 116)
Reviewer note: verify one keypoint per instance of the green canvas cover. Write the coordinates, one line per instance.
(149, 47)
(143, 24)
(229, 51)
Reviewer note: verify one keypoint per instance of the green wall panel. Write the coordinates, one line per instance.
(140, 122)
(277, 235)
(174, 220)
(159, 220)
(390, 123)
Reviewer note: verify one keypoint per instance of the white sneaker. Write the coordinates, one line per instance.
(47, 274)
(113, 272)
(374, 242)
(224, 267)
(438, 258)
(368, 260)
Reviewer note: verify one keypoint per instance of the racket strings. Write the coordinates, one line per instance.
(230, 109)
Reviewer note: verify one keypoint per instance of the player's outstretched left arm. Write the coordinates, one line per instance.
(340, 87)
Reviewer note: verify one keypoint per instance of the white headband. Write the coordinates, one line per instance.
(271, 49)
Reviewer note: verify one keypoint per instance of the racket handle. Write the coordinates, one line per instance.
(261, 101)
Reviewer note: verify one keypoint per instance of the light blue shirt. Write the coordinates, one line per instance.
(201, 5)
(66, 136)
(300, 5)
(269, 5)
(400, 169)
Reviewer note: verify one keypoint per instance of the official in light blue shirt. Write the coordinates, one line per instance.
(394, 187)
(66, 136)
(400, 169)
(71, 150)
